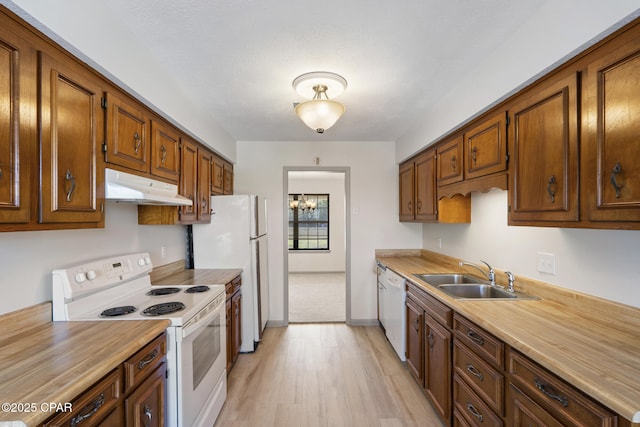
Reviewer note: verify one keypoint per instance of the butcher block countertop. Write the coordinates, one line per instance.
(44, 362)
(199, 277)
(591, 343)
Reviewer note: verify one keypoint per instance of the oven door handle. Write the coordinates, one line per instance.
(201, 319)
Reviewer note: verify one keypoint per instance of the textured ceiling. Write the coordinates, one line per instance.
(237, 58)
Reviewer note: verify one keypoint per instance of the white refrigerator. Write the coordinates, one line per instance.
(237, 238)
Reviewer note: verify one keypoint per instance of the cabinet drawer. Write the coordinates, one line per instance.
(486, 381)
(94, 405)
(470, 407)
(144, 362)
(555, 395)
(524, 412)
(439, 311)
(480, 341)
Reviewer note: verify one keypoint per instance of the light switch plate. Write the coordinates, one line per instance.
(546, 263)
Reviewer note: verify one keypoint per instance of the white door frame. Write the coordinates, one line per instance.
(347, 229)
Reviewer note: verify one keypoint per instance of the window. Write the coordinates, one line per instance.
(309, 222)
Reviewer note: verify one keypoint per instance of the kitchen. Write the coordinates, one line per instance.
(259, 166)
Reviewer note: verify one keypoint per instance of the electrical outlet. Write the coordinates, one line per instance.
(439, 242)
(163, 251)
(546, 263)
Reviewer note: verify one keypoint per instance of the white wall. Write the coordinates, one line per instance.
(604, 263)
(331, 183)
(28, 257)
(373, 213)
(109, 47)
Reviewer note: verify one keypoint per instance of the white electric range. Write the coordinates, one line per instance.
(119, 288)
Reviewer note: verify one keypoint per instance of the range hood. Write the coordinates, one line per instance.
(126, 187)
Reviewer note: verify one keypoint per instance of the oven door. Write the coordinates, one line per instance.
(202, 386)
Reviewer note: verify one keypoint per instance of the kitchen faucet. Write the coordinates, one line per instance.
(491, 275)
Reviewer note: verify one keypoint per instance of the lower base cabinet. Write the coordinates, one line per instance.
(234, 320)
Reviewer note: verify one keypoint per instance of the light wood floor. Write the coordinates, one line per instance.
(324, 375)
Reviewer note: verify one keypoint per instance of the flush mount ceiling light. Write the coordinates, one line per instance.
(320, 113)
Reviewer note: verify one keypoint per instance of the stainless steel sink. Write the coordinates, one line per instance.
(446, 279)
(481, 291)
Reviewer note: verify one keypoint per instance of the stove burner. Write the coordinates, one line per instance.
(197, 289)
(163, 291)
(164, 308)
(118, 311)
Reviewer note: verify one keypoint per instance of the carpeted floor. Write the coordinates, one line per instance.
(317, 297)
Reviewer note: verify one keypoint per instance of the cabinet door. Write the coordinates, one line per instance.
(17, 94)
(230, 344)
(189, 179)
(236, 303)
(165, 151)
(415, 340)
(524, 412)
(71, 124)
(545, 154)
(127, 133)
(204, 186)
(437, 366)
(145, 406)
(217, 176)
(406, 192)
(425, 185)
(228, 178)
(486, 147)
(613, 142)
(450, 162)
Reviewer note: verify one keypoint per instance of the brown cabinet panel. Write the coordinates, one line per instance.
(127, 133)
(470, 407)
(450, 163)
(486, 147)
(217, 176)
(204, 186)
(189, 179)
(479, 341)
(17, 95)
(485, 380)
(544, 134)
(426, 207)
(228, 178)
(415, 340)
(71, 123)
(437, 366)
(406, 191)
(524, 412)
(145, 406)
(612, 173)
(165, 151)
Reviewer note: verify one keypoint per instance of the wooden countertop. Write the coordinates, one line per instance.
(199, 277)
(591, 343)
(49, 361)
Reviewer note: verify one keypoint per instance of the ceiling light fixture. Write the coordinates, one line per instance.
(320, 113)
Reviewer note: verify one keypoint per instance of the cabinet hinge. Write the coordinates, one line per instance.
(508, 119)
(507, 156)
(103, 103)
(104, 147)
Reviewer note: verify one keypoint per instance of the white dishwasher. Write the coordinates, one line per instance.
(392, 311)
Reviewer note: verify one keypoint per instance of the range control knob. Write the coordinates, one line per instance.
(91, 274)
(147, 260)
(80, 277)
(141, 262)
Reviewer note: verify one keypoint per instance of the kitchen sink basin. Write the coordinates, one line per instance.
(446, 279)
(481, 291)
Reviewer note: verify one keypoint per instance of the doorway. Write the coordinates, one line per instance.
(316, 245)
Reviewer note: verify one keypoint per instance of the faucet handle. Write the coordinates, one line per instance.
(512, 279)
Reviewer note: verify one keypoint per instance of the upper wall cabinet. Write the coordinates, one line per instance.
(17, 119)
(612, 142)
(450, 162)
(418, 188)
(165, 151)
(544, 169)
(72, 126)
(485, 147)
(127, 142)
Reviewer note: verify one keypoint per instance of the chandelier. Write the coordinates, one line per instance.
(303, 204)
(320, 113)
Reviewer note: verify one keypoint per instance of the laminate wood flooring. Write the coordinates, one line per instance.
(327, 375)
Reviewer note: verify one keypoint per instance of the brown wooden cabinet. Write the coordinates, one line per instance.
(165, 151)
(145, 406)
(195, 182)
(217, 176)
(418, 189)
(450, 162)
(544, 170)
(17, 119)
(127, 140)
(234, 320)
(611, 167)
(71, 125)
(415, 340)
(485, 147)
(204, 185)
(228, 178)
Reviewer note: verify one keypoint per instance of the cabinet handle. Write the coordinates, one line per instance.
(454, 163)
(0, 173)
(138, 140)
(417, 325)
(475, 337)
(149, 414)
(431, 339)
(616, 170)
(409, 205)
(69, 178)
(552, 192)
(144, 362)
(88, 411)
(204, 205)
(163, 154)
(474, 153)
(550, 392)
(473, 371)
(419, 205)
(474, 411)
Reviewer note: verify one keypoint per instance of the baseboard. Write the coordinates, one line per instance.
(315, 272)
(276, 324)
(363, 322)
